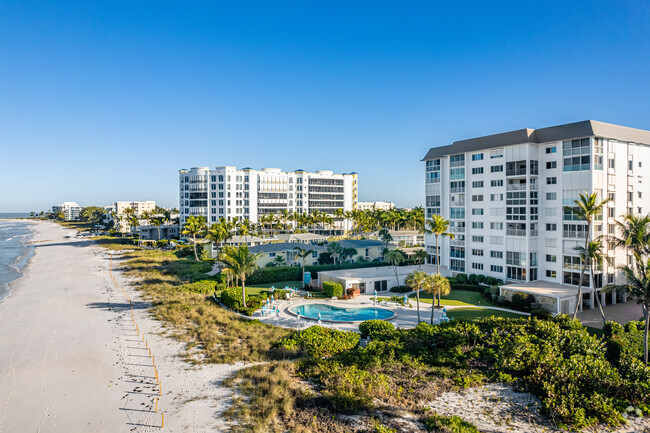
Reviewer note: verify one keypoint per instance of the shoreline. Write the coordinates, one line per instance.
(29, 254)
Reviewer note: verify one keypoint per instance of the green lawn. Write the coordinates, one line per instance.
(477, 313)
(457, 297)
(256, 289)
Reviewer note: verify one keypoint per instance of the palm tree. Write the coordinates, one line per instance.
(302, 254)
(395, 258)
(335, 249)
(436, 284)
(586, 208)
(437, 226)
(278, 261)
(218, 233)
(134, 222)
(415, 280)
(243, 229)
(157, 222)
(241, 263)
(594, 254)
(419, 257)
(194, 226)
(635, 231)
(384, 235)
(638, 284)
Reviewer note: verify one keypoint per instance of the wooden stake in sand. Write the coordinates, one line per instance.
(162, 422)
(150, 352)
(156, 404)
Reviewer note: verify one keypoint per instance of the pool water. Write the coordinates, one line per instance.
(338, 314)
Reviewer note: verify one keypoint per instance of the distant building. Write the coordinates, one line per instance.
(70, 209)
(228, 192)
(138, 206)
(374, 205)
(270, 252)
(167, 231)
(407, 238)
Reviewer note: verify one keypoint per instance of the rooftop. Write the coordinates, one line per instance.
(380, 272)
(360, 243)
(547, 288)
(283, 246)
(586, 128)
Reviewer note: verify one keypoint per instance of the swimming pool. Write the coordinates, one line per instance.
(339, 314)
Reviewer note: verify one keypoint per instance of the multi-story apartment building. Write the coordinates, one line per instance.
(70, 209)
(138, 206)
(374, 205)
(505, 194)
(229, 192)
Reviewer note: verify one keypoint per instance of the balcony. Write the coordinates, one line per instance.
(457, 229)
(457, 203)
(534, 233)
(515, 232)
(457, 190)
(574, 235)
(516, 187)
(457, 243)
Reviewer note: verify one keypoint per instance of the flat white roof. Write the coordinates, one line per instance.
(547, 288)
(380, 272)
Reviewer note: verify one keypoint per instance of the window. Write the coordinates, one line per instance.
(457, 173)
(550, 243)
(496, 226)
(496, 240)
(477, 253)
(433, 177)
(496, 168)
(477, 211)
(496, 268)
(496, 154)
(457, 213)
(477, 225)
(496, 197)
(496, 182)
(478, 266)
(577, 163)
(551, 274)
(477, 184)
(611, 212)
(496, 254)
(551, 165)
(611, 163)
(477, 170)
(551, 227)
(551, 149)
(551, 181)
(457, 160)
(477, 197)
(551, 196)
(630, 165)
(551, 258)
(478, 239)
(477, 157)
(432, 165)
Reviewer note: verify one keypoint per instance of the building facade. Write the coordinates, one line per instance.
(504, 196)
(138, 206)
(374, 205)
(70, 209)
(228, 192)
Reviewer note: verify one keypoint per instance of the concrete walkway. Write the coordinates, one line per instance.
(621, 313)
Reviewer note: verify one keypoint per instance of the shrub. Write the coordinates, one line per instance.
(401, 289)
(162, 243)
(623, 341)
(541, 314)
(452, 424)
(522, 301)
(461, 278)
(205, 287)
(275, 274)
(490, 281)
(318, 341)
(277, 294)
(331, 289)
(472, 279)
(480, 279)
(375, 328)
(232, 298)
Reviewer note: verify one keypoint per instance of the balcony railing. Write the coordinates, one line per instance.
(534, 233)
(516, 172)
(515, 232)
(574, 235)
(457, 229)
(457, 243)
(516, 187)
(457, 190)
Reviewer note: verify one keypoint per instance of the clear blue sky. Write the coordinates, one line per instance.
(104, 101)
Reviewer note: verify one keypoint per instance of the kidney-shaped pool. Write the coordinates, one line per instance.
(339, 314)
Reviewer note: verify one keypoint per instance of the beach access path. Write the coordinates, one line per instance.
(72, 361)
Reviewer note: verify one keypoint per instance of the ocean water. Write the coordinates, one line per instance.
(15, 252)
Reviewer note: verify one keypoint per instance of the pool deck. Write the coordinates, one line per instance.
(405, 317)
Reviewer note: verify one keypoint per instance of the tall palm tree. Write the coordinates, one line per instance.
(241, 262)
(218, 233)
(244, 229)
(395, 258)
(634, 234)
(302, 254)
(194, 226)
(594, 254)
(638, 284)
(586, 208)
(415, 280)
(436, 284)
(419, 257)
(157, 222)
(335, 249)
(437, 226)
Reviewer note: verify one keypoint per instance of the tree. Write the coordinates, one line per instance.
(92, 214)
(436, 284)
(586, 208)
(218, 233)
(302, 254)
(415, 280)
(194, 226)
(638, 284)
(594, 254)
(241, 262)
(634, 234)
(384, 235)
(348, 253)
(157, 222)
(419, 257)
(395, 258)
(335, 249)
(437, 226)
(279, 261)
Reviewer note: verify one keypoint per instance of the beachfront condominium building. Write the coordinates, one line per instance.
(228, 192)
(70, 209)
(139, 207)
(504, 196)
(375, 205)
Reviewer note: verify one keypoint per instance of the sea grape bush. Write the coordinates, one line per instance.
(331, 288)
(318, 341)
(375, 328)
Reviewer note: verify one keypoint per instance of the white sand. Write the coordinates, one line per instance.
(71, 361)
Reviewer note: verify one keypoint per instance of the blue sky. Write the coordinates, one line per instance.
(105, 101)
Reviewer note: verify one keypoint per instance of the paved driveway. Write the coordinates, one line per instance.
(622, 313)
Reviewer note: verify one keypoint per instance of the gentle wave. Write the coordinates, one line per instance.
(15, 252)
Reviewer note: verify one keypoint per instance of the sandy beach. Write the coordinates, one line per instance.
(72, 361)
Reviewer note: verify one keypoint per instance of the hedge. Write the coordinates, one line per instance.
(205, 287)
(375, 328)
(232, 298)
(331, 289)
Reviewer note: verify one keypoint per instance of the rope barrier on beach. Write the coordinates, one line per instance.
(145, 341)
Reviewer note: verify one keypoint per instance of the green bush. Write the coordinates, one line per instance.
(318, 341)
(232, 298)
(461, 278)
(522, 301)
(472, 279)
(401, 289)
(332, 289)
(162, 243)
(277, 294)
(490, 281)
(452, 424)
(205, 287)
(541, 314)
(375, 328)
(623, 341)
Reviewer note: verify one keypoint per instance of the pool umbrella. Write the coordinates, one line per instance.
(319, 318)
(375, 295)
(406, 300)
